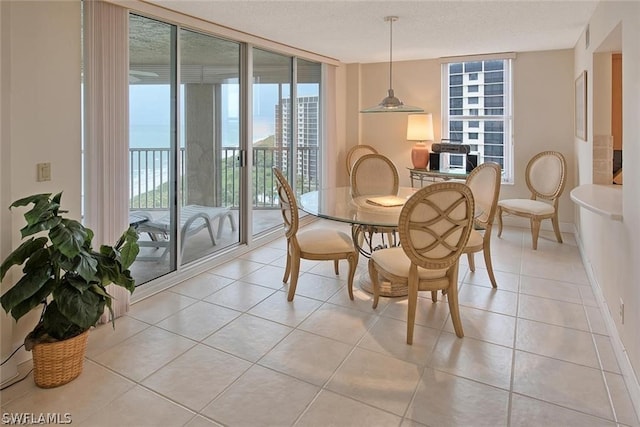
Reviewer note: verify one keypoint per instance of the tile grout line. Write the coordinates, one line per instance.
(602, 371)
(515, 337)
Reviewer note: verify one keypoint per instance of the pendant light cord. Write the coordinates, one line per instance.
(391, 19)
(390, 103)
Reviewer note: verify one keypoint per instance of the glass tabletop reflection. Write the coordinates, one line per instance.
(339, 205)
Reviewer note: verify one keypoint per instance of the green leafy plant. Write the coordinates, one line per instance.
(63, 272)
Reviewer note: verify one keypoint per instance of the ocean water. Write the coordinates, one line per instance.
(149, 136)
(151, 169)
(159, 136)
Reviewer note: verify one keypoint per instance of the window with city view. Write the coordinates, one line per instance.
(478, 110)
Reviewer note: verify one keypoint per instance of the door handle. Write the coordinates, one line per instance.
(242, 158)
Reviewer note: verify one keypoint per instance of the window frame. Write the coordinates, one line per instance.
(506, 117)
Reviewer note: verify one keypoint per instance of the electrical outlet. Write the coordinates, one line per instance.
(621, 311)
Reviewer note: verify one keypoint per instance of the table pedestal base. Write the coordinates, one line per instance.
(387, 289)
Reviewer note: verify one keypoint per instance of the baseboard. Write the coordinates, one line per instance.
(626, 369)
(9, 372)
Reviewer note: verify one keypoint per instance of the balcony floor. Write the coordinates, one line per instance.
(199, 245)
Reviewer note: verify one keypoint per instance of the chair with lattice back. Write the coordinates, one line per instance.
(434, 227)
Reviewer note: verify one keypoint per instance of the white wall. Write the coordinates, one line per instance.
(39, 120)
(612, 248)
(9, 370)
(543, 112)
(543, 118)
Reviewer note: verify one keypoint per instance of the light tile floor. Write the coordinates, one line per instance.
(226, 348)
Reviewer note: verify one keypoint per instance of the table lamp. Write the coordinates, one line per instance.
(420, 129)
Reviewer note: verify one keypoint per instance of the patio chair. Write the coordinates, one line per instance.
(193, 219)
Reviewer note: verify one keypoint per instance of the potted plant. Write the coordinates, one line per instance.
(68, 277)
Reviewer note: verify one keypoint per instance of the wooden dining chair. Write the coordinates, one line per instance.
(484, 182)
(356, 152)
(315, 244)
(546, 178)
(374, 175)
(435, 224)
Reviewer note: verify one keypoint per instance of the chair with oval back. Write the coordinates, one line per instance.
(484, 182)
(545, 175)
(374, 175)
(356, 152)
(435, 224)
(314, 244)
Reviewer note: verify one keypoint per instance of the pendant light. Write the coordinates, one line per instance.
(391, 104)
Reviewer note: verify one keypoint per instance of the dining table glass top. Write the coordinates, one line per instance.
(339, 205)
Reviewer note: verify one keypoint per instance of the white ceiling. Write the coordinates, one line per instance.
(355, 30)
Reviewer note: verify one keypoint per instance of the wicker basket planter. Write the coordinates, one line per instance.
(58, 363)
(64, 273)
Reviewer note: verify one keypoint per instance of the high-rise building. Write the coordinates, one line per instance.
(306, 138)
(477, 107)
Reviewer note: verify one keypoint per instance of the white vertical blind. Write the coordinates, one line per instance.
(106, 132)
(329, 126)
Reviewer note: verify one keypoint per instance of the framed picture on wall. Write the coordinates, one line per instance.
(581, 106)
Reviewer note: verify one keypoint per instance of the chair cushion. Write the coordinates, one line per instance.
(527, 206)
(475, 239)
(395, 261)
(324, 241)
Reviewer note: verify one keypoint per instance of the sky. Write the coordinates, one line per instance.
(149, 113)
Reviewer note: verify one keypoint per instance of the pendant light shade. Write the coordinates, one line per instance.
(391, 104)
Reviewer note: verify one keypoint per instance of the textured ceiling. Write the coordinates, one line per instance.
(355, 31)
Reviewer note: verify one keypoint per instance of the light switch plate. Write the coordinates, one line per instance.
(44, 172)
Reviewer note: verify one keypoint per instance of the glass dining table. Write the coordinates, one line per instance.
(370, 212)
(369, 216)
(338, 204)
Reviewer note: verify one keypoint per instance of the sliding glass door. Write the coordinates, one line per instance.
(272, 78)
(185, 176)
(189, 178)
(308, 125)
(152, 145)
(209, 144)
(286, 133)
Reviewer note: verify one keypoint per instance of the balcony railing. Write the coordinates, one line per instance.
(149, 175)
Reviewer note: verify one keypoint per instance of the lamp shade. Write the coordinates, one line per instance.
(420, 127)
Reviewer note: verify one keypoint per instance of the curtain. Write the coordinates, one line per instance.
(330, 140)
(106, 131)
